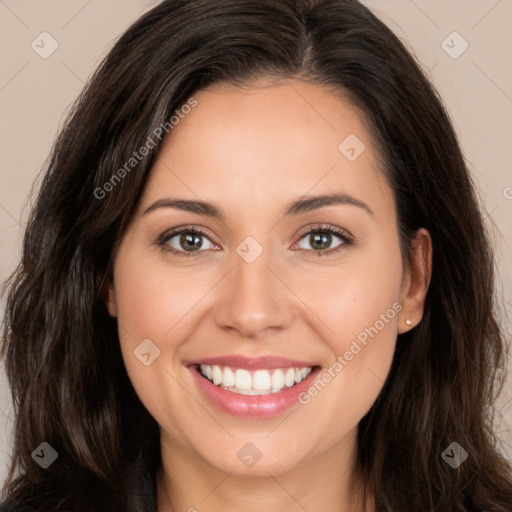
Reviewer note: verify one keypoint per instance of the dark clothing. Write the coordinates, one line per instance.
(8, 506)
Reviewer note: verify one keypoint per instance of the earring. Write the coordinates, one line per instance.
(408, 322)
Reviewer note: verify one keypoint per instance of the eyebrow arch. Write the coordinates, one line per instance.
(199, 207)
(294, 208)
(315, 202)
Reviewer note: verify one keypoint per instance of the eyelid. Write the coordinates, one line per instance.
(318, 226)
(171, 233)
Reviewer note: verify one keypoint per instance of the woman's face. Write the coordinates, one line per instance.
(256, 296)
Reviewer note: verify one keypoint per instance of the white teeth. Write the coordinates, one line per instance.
(228, 377)
(289, 378)
(216, 375)
(259, 382)
(243, 379)
(277, 380)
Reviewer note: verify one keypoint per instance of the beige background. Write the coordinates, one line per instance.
(35, 93)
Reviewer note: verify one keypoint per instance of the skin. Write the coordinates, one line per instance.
(251, 152)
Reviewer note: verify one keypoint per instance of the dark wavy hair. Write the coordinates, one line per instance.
(61, 347)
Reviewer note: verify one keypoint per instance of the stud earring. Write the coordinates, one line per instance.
(408, 322)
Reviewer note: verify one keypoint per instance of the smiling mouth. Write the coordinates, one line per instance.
(253, 382)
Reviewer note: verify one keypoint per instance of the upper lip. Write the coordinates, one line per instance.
(251, 363)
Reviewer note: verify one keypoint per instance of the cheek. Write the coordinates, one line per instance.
(359, 304)
(157, 302)
(153, 298)
(149, 305)
(360, 293)
(368, 324)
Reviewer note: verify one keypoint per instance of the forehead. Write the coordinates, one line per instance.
(253, 145)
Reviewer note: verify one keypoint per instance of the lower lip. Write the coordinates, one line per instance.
(253, 406)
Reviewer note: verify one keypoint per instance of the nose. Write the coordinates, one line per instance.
(254, 300)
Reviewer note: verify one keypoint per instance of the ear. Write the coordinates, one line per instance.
(109, 298)
(416, 281)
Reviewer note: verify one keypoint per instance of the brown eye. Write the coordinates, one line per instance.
(189, 241)
(185, 241)
(321, 240)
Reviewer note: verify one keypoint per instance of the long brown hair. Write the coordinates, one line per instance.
(61, 348)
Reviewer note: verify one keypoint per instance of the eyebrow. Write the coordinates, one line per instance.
(294, 208)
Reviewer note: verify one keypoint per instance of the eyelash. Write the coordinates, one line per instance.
(346, 239)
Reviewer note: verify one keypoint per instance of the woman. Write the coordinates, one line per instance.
(256, 278)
